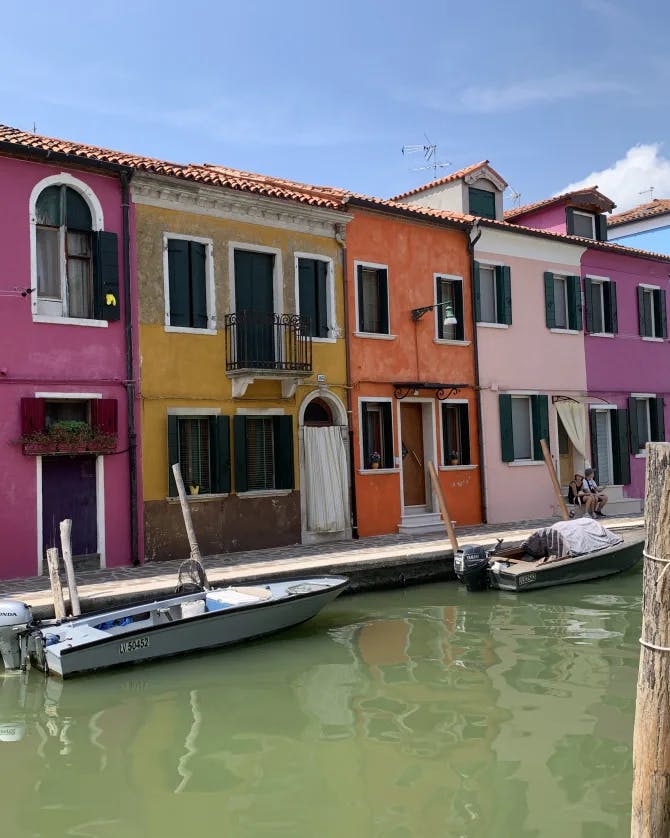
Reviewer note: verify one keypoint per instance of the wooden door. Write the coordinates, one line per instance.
(413, 465)
(68, 491)
(566, 465)
(254, 306)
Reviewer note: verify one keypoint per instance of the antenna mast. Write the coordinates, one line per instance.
(429, 151)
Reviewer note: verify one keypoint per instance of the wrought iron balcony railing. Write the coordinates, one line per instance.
(257, 340)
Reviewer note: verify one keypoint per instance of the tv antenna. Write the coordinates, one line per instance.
(650, 191)
(429, 151)
(516, 196)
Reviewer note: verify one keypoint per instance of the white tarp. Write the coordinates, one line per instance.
(571, 538)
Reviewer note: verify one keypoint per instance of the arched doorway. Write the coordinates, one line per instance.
(324, 468)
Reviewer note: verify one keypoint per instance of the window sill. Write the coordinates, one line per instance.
(186, 330)
(445, 342)
(650, 339)
(493, 325)
(207, 496)
(324, 340)
(264, 493)
(601, 334)
(522, 463)
(374, 336)
(558, 331)
(369, 471)
(641, 455)
(469, 467)
(70, 321)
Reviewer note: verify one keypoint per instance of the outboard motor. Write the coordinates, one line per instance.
(471, 564)
(15, 618)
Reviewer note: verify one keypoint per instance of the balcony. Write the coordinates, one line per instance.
(267, 345)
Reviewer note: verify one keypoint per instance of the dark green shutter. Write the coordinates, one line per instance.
(283, 431)
(593, 426)
(240, 449)
(361, 308)
(439, 310)
(481, 202)
(506, 427)
(307, 291)
(661, 317)
(243, 280)
(620, 453)
(574, 303)
(445, 436)
(588, 303)
(106, 293)
(465, 434)
(219, 441)
(640, 312)
(322, 326)
(387, 434)
(570, 221)
(173, 452)
(178, 276)
(382, 278)
(632, 420)
(540, 416)
(459, 328)
(657, 417)
(504, 293)
(549, 306)
(478, 296)
(601, 227)
(611, 306)
(198, 260)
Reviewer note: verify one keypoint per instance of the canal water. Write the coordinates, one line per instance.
(421, 712)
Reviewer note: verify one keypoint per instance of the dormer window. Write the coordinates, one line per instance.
(588, 225)
(482, 202)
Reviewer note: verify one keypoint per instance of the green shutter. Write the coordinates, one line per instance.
(439, 310)
(504, 293)
(459, 328)
(549, 307)
(601, 227)
(243, 280)
(387, 434)
(657, 417)
(611, 303)
(506, 428)
(361, 308)
(482, 202)
(198, 261)
(240, 449)
(570, 221)
(642, 324)
(106, 293)
(382, 278)
(284, 470)
(478, 298)
(632, 420)
(574, 303)
(540, 417)
(219, 440)
(620, 453)
(322, 324)
(465, 433)
(307, 292)
(588, 303)
(178, 276)
(173, 453)
(593, 426)
(661, 317)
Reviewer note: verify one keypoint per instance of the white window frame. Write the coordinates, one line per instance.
(378, 335)
(333, 329)
(443, 406)
(524, 460)
(492, 324)
(277, 273)
(600, 280)
(610, 453)
(439, 311)
(361, 450)
(652, 288)
(646, 398)
(564, 280)
(97, 224)
(593, 223)
(209, 273)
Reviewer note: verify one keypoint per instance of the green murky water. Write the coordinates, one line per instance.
(423, 712)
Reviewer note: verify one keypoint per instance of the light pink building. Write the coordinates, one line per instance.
(67, 372)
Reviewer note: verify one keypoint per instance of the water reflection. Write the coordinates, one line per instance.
(426, 711)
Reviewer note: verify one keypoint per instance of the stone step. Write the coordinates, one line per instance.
(623, 506)
(421, 523)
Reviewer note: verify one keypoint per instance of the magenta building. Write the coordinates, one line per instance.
(625, 339)
(68, 370)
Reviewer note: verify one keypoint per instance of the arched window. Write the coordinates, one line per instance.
(318, 413)
(64, 251)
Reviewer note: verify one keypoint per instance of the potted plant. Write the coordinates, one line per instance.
(194, 488)
(453, 458)
(375, 459)
(69, 437)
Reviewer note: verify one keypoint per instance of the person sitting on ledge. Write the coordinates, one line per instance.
(596, 491)
(578, 496)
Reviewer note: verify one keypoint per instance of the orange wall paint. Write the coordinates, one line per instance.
(413, 252)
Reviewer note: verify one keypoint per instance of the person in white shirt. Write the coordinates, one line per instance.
(590, 486)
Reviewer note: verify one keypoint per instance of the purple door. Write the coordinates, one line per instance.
(68, 491)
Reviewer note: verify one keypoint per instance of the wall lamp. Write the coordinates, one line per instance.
(449, 316)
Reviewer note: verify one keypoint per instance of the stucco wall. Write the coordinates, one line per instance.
(550, 218)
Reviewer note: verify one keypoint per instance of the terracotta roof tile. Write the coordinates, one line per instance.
(447, 179)
(517, 211)
(659, 206)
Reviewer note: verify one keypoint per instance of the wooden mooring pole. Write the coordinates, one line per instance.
(651, 739)
(186, 512)
(66, 548)
(437, 488)
(54, 579)
(546, 453)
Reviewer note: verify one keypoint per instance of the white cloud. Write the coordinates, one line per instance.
(643, 166)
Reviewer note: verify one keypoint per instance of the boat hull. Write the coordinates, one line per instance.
(204, 631)
(529, 576)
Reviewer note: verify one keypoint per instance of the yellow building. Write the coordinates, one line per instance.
(243, 364)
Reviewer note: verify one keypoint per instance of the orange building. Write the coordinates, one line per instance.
(412, 366)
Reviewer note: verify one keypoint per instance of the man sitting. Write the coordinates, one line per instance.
(591, 487)
(578, 495)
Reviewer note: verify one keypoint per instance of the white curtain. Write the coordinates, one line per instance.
(325, 479)
(573, 417)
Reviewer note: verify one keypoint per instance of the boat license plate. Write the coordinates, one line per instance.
(133, 645)
(527, 578)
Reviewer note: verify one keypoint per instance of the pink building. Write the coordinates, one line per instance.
(67, 372)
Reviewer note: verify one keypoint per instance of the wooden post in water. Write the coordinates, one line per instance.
(546, 453)
(443, 506)
(651, 739)
(66, 547)
(186, 512)
(54, 579)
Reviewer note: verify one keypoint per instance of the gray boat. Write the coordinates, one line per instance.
(568, 551)
(185, 623)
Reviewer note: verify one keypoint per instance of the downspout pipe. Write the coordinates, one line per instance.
(473, 235)
(126, 176)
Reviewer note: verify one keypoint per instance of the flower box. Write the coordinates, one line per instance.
(69, 438)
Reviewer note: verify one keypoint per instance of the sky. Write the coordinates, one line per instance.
(555, 94)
